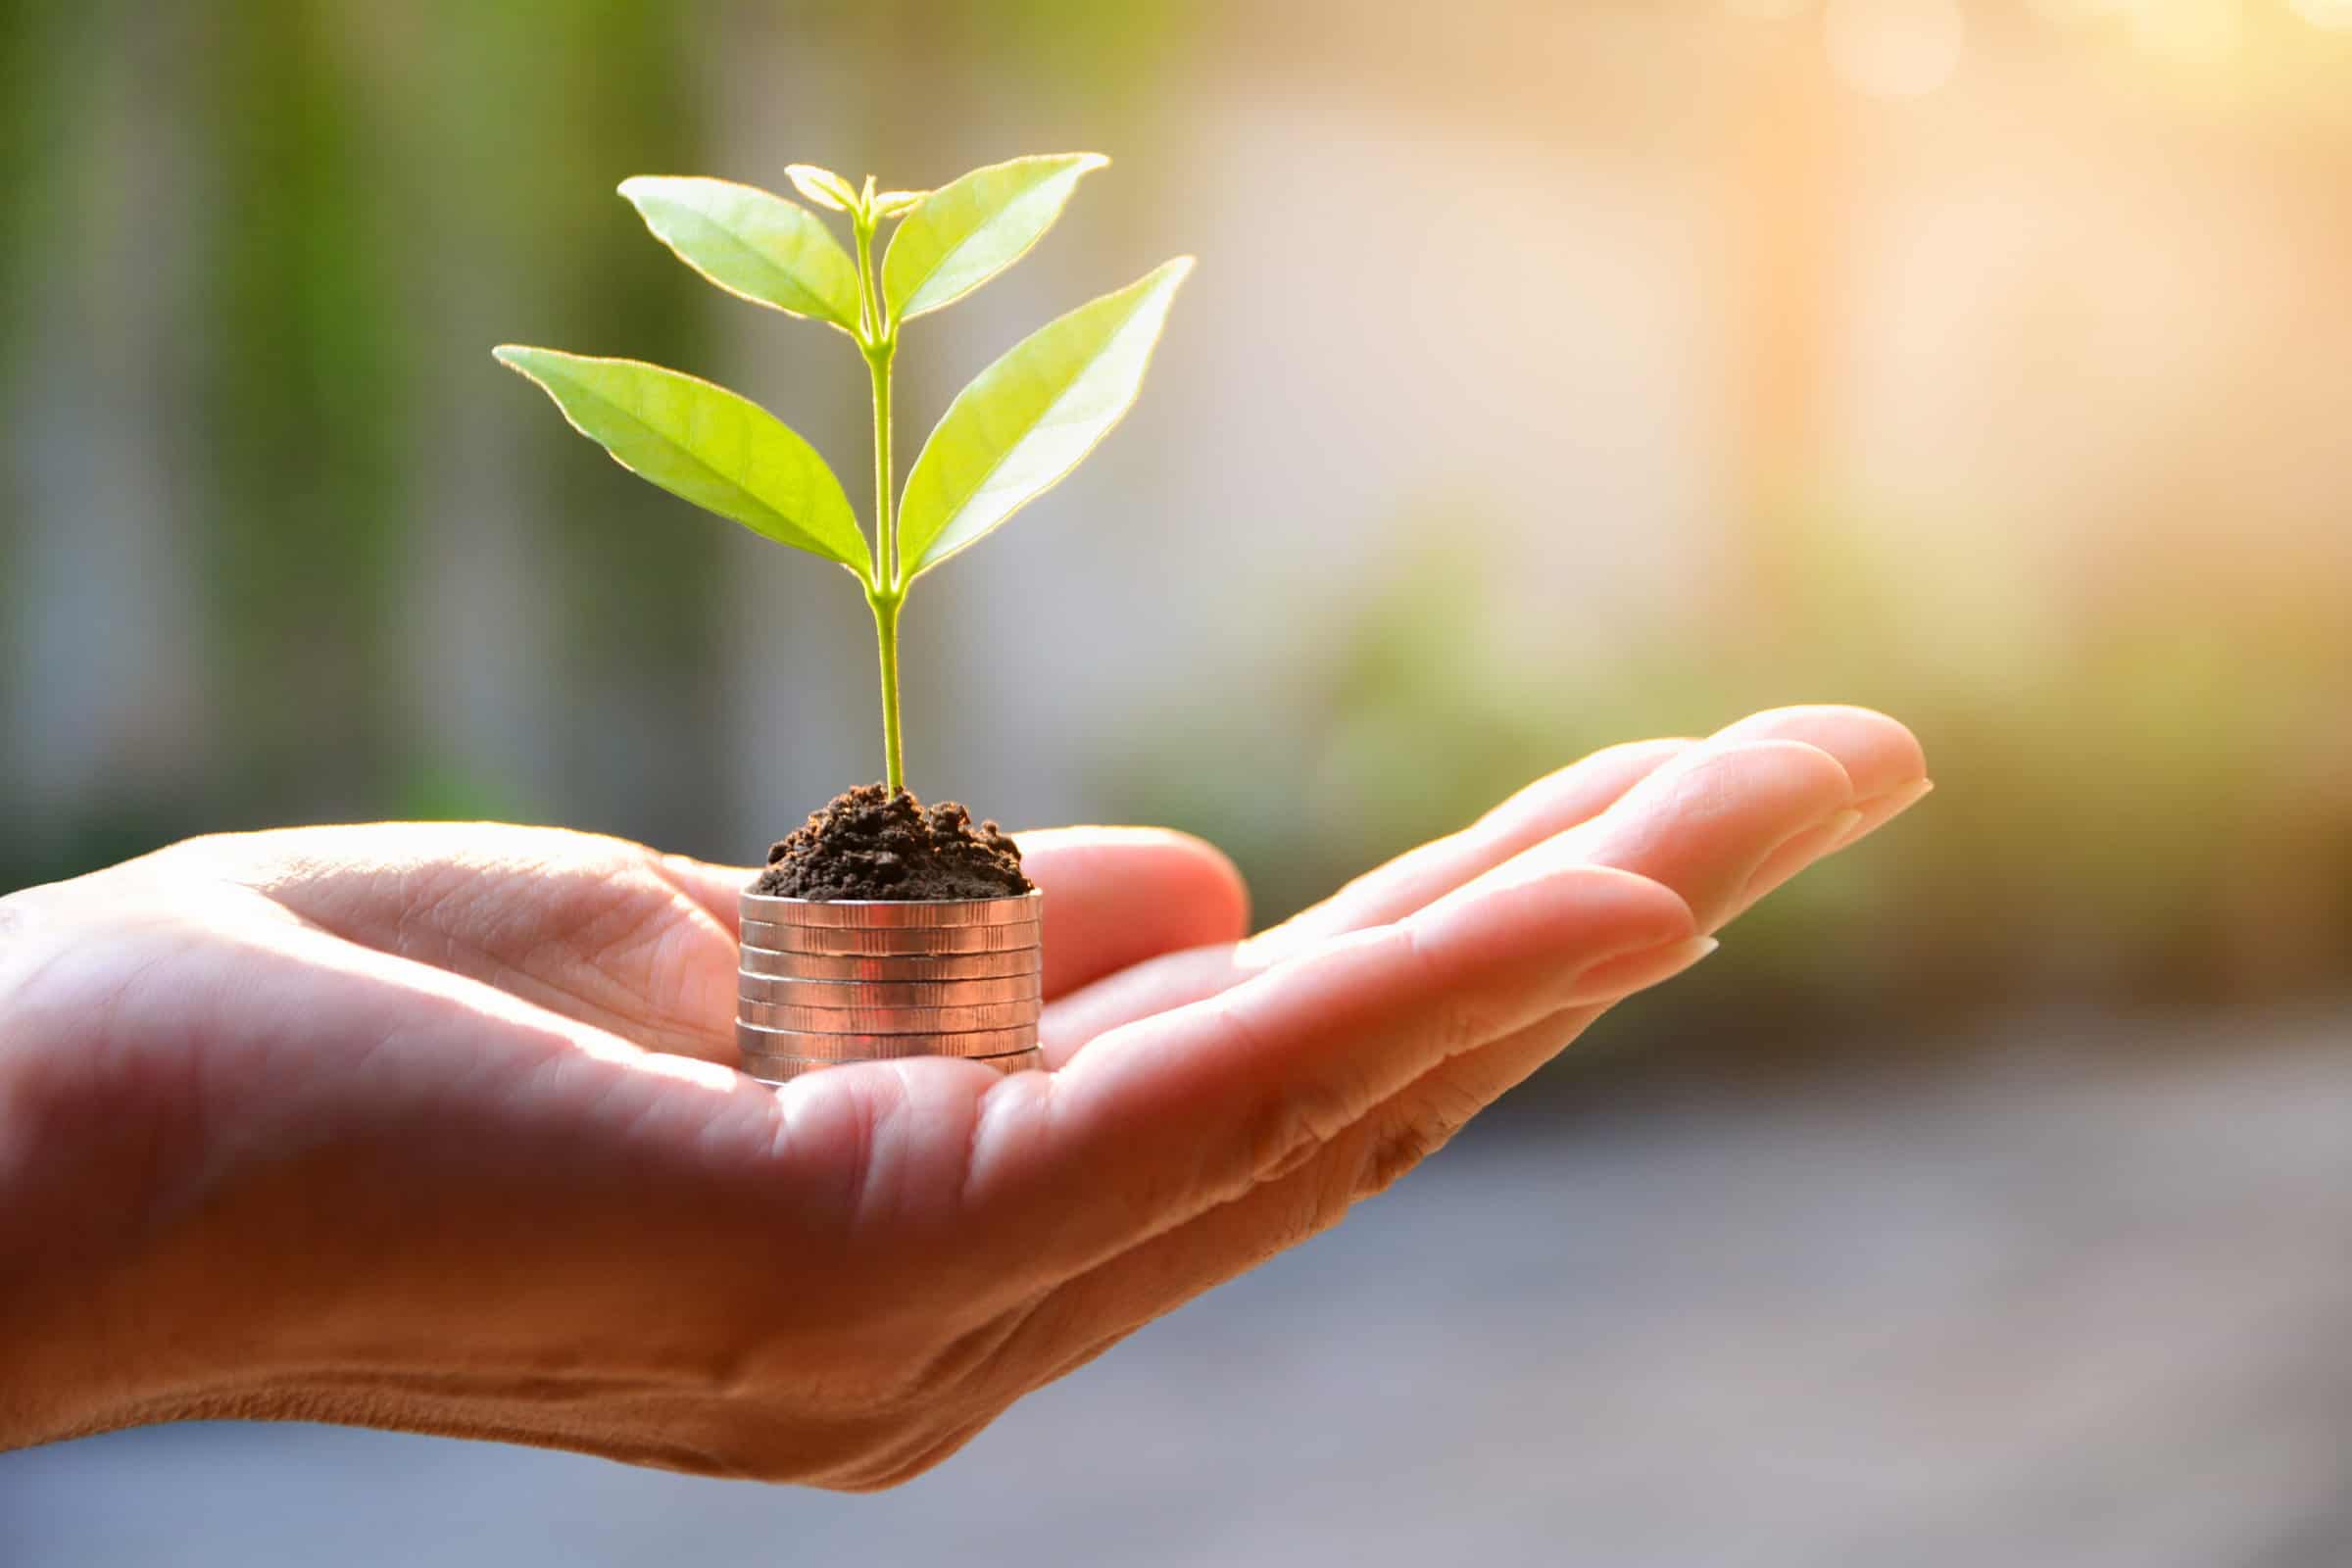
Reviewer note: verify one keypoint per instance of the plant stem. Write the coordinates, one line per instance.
(886, 524)
(885, 594)
(886, 632)
(888, 594)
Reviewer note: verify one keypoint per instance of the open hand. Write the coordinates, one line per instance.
(431, 1127)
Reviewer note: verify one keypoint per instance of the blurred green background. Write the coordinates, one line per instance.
(1554, 375)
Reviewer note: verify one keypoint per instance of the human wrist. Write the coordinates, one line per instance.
(73, 1197)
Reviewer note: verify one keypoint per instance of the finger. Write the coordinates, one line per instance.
(1181, 1111)
(1880, 810)
(1117, 896)
(1882, 759)
(1482, 1076)
(1879, 753)
(1144, 989)
(1549, 806)
(1704, 823)
(1665, 827)
(1839, 832)
(1534, 814)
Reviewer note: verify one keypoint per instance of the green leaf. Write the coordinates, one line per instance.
(721, 452)
(967, 231)
(891, 203)
(752, 243)
(822, 186)
(1027, 420)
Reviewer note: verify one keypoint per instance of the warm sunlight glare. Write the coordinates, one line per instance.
(2195, 32)
(1894, 48)
(2334, 14)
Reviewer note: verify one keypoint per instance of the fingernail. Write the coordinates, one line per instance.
(1797, 852)
(1837, 827)
(1613, 978)
(1880, 810)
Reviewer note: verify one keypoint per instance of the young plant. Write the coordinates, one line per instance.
(1009, 436)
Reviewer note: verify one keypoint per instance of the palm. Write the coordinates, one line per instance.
(490, 1030)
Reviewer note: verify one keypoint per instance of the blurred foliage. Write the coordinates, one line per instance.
(325, 410)
(311, 389)
(323, 361)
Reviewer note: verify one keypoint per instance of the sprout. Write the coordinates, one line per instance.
(1009, 436)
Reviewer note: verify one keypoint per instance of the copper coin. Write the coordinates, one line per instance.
(775, 1042)
(1017, 909)
(888, 993)
(889, 1020)
(882, 941)
(903, 966)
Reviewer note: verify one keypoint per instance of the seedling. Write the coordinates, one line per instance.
(1009, 436)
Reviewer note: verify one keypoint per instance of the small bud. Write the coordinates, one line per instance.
(822, 186)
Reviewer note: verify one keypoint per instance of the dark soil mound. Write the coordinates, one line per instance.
(869, 843)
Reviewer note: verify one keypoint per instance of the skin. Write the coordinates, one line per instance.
(431, 1127)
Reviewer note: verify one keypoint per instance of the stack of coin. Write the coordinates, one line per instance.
(829, 981)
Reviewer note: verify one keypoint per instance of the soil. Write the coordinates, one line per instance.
(870, 844)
